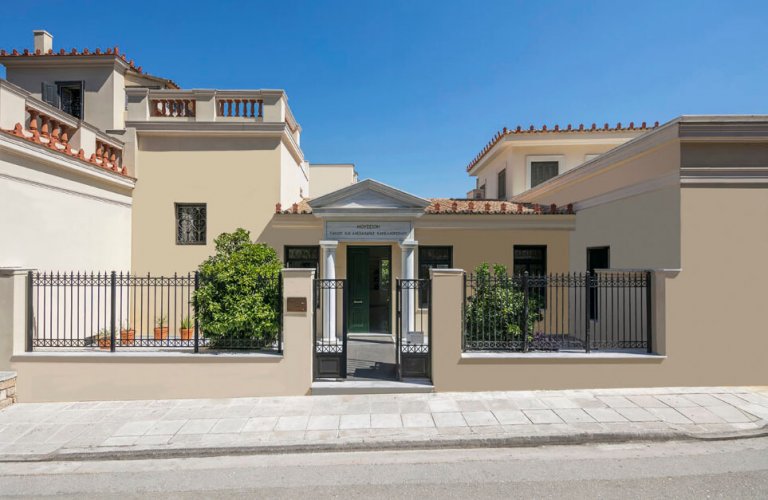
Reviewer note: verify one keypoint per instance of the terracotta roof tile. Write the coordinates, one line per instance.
(54, 143)
(556, 129)
(462, 206)
(109, 52)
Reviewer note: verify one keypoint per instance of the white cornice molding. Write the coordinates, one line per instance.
(410, 201)
(60, 189)
(726, 176)
(22, 147)
(668, 180)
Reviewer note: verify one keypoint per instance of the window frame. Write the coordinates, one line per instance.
(529, 247)
(594, 297)
(286, 260)
(179, 205)
(501, 184)
(424, 297)
(531, 159)
(59, 84)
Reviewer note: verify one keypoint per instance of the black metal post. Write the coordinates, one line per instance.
(649, 311)
(113, 313)
(194, 306)
(463, 314)
(280, 317)
(345, 298)
(525, 311)
(587, 312)
(30, 312)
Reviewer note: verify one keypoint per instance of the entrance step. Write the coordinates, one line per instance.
(331, 387)
(382, 338)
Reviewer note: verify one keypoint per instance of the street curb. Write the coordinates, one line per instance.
(379, 445)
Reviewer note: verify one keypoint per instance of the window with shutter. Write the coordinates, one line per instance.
(51, 94)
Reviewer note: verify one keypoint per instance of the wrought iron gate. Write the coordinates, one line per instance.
(330, 328)
(414, 328)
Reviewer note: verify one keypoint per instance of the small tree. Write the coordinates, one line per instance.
(238, 299)
(495, 310)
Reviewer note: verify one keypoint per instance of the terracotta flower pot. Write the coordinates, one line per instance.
(105, 343)
(127, 336)
(187, 333)
(161, 333)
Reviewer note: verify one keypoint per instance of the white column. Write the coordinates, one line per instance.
(408, 253)
(329, 295)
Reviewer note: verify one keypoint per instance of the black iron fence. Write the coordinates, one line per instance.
(115, 311)
(553, 312)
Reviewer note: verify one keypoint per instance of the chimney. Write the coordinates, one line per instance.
(43, 41)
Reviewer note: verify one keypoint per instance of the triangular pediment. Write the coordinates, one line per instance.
(369, 197)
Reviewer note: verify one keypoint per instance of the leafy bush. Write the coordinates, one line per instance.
(238, 299)
(495, 310)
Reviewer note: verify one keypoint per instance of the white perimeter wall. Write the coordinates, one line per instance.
(52, 220)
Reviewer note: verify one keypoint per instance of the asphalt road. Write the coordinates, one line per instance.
(722, 469)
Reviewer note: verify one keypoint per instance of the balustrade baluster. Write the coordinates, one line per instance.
(45, 128)
(33, 119)
(261, 108)
(229, 105)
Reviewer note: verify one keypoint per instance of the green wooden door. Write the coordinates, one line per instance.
(359, 290)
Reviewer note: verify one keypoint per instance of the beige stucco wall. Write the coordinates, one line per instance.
(655, 165)
(104, 88)
(643, 231)
(715, 318)
(294, 179)
(237, 177)
(472, 247)
(326, 178)
(109, 376)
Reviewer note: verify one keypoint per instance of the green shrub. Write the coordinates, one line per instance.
(495, 310)
(238, 299)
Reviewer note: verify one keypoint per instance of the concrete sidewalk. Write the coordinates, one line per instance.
(168, 428)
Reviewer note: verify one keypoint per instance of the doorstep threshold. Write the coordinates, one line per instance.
(406, 386)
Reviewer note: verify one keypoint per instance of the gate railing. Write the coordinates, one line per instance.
(113, 311)
(414, 328)
(330, 328)
(553, 312)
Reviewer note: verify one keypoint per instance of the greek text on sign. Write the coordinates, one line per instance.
(367, 231)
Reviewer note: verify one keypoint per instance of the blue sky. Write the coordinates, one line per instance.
(410, 91)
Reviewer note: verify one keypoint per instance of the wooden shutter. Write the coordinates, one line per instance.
(51, 94)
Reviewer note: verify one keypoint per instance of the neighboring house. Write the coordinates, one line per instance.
(515, 161)
(105, 167)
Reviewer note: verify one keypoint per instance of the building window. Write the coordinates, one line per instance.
(303, 257)
(502, 184)
(542, 168)
(67, 96)
(542, 171)
(530, 258)
(533, 260)
(597, 258)
(429, 258)
(190, 223)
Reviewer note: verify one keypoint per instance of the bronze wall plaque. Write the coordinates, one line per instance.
(296, 304)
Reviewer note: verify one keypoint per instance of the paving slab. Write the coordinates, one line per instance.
(180, 428)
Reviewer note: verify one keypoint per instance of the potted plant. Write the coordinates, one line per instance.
(104, 339)
(161, 328)
(127, 334)
(187, 329)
